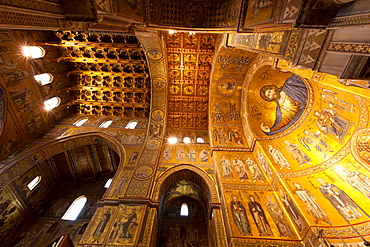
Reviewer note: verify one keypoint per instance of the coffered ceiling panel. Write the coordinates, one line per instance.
(189, 64)
(109, 73)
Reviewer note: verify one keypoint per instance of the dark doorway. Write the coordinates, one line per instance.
(183, 220)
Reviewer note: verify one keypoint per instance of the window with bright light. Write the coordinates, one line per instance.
(106, 124)
(187, 139)
(51, 103)
(44, 78)
(33, 51)
(31, 185)
(80, 122)
(172, 140)
(108, 183)
(200, 140)
(131, 125)
(184, 211)
(75, 208)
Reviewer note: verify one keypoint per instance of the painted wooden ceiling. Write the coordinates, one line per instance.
(190, 59)
(109, 75)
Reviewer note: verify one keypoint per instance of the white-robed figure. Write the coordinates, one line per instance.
(278, 157)
(359, 181)
(310, 201)
(253, 168)
(340, 200)
(227, 171)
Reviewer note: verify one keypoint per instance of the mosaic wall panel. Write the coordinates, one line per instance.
(22, 118)
(334, 196)
(239, 168)
(269, 42)
(259, 12)
(229, 72)
(123, 222)
(257, 214)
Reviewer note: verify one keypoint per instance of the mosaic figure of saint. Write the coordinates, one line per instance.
(203, 155)
(240, 216)
(167, 154)
(305, 196)
(278, 157)
(292, 211)
(240, 169)
(259, 217)
(253, 168)
(359, 181)
(191, 155)
(234, 134)
(133, 157)
(264, 163)
(340, 200)
(297, 153)
(129, 226)
(102, 224)
(329, 122)
(279, 218)
(291, 100)
(227, 171)
(180, 155)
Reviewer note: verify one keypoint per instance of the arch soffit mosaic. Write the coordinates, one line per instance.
(42, 152)
(213, 195)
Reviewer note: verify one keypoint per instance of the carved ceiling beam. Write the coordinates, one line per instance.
(95, 44)
(110, 89)
(104, 73)
(111, 104)
(98, 60)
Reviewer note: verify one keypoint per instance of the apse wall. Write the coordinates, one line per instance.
(293, 165)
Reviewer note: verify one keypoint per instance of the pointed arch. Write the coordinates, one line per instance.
(39, 153)
(185, 171)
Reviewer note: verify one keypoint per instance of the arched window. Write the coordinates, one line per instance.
(75, 208)
(186, 139)
(80, 121)
(200, 140)
(31, 185)
(51, 103)
(172, 140)
(33, 51)
(106, 124)
(108, 183)
(131, 125)
(44, 78)
(184, 211)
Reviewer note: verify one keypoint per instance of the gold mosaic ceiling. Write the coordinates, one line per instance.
(189, 65)
(110, 74)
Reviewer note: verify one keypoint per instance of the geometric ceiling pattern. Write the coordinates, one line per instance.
(190, 59)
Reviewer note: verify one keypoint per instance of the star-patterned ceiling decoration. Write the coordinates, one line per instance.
(190, 59)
